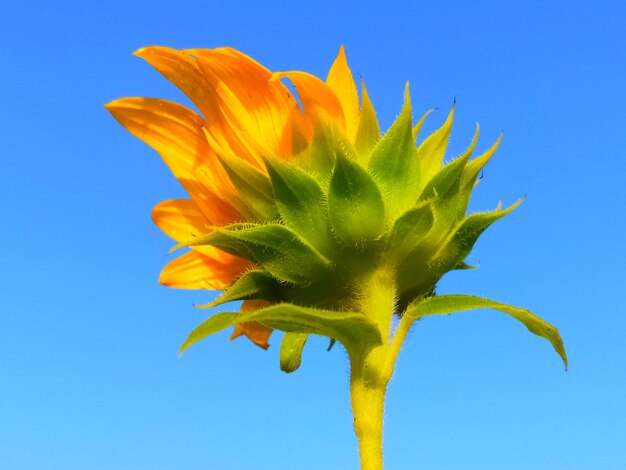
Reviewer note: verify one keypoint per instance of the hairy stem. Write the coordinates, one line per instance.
(370, 373)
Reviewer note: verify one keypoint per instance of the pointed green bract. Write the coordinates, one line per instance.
(459, 244)
(368, 131)
(253, 284)
(395, 166)
(470, 173)
(410, 230)
(355, 207)
(282, 252)
(300, 202)
(291, 351)
(446, 304)
(432, 150)
(352, 329)
(418, 127)
(253, 187)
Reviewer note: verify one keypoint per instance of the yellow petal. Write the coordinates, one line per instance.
(317, 98)
(368, 131)
(256, 332)
(341, 81)
(175, 132)
(211, 269)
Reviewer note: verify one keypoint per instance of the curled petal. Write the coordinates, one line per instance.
(317, 98)
(256, 332)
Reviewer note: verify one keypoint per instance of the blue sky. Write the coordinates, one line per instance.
(88, 340)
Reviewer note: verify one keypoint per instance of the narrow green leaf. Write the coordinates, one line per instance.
(395, 166)
(253, 284)
(368, 131)
(253, 188)
(281, 251)
(446, 304)
(355, 207)
(352, 329)
(300, 202)
(432, 150)
(291, 351)
(212, 325)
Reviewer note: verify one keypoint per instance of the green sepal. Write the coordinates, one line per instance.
(352, 329)
(418, 127)
(446, 304)
(410, 230)
(356, 210)
(368, 131)
(465, 234)
(319, 158)
(254, 284)
(254, 189)
(444, 186)
(300, 202)
(394, 164)
(291, 351)
(463, 266)
(281, 251)
(470, 173)
(431, 151)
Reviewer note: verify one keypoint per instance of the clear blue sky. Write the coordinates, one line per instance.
(89, 373)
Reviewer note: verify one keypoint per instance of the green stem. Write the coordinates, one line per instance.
(370, 373)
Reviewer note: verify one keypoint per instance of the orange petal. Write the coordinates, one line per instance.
(180, 219)
(183, 70)
(176, 133)
(209, 269)
(249, 100)
(256, 332)
(317, 98)
(340, 80)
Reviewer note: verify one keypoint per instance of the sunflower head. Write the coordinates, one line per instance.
(297, 204)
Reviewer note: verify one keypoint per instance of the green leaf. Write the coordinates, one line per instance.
(432, 150)
(410, 229)
(355, 207)
(253, 284)
(394, 164)
(277, 248)
(212, 325)
(446, 304)
(253, 188)
(300, 202)
(461, 241)
(470, 173)
(368, 131)
(291, 351)
(352, 329)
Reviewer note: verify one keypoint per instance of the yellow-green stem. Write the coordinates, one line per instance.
(370, 373)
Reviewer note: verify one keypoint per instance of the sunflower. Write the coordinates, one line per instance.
(300, 208)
